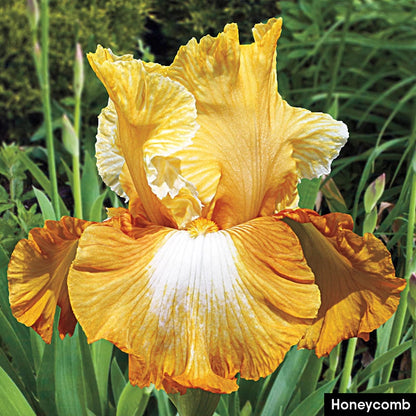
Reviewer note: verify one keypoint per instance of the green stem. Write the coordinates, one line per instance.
(45, 90)
(401, 310)
(75, 162)
(338, 59)
(348, 364)
(333, 363)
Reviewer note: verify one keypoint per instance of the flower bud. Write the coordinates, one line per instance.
(33, 14)
(69, 137)
(78, 71)
(373, 193)
(411, 296)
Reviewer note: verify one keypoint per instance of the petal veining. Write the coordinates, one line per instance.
(355, 275)
(195, 309)
(156, 117)
(110, 160)
(252, 146)
(37, 276)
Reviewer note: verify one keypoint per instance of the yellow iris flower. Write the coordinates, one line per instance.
(212, 271)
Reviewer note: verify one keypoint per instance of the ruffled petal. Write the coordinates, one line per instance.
(355, 275)
(316, 139)
(252, 146)
(110, 159)
(37, 276)
(194, 308)
(156, 117)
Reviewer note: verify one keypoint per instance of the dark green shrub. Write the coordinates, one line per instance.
(117, 24)
(175, 22)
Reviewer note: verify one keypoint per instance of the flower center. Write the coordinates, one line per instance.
(201, 226)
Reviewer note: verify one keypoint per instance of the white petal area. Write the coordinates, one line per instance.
(197, 310)
(110, 160)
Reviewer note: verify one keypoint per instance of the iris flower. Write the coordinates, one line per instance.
(212, 271)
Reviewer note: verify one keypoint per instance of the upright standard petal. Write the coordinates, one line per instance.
(194, 307)
(156, 116)
(252, 147)
(355, 275)
(37, 276)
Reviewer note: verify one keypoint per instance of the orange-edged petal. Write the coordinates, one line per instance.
(355, 275)
(156, 116)
(194, 308)
(37, 276)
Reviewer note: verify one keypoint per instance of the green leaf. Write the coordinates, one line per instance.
(315, 401)
(286, 381)
(18, 352)
(397, 386)
(46, 379)
(378, 363)
(102, 352)
(90, 380)
(96, 211)
(90, 183)
(164, 406)
(308, 190)
(69, 379)
(13, 403)
(133, 401)
(46, 207)
(41, 178)
(118, 381)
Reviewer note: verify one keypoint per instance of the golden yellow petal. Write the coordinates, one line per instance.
(156, 117)
(37, 276)
(235, 90)
(194, 309)
(355, 275)
(252, 147)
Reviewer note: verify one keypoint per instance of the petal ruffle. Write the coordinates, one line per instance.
(37, 276)
(355, 275)
(316, 139)
(110, 160)
(156, 117)
(252, 146)
(194, 310)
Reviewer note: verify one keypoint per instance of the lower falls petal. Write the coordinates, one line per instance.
(355, 275)
(37, 276)
(194, 310)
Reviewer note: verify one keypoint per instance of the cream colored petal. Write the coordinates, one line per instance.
(194, 309)
(110, 160)
(156, 117)
(316, 139)
(37, 276)
(355, 275)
